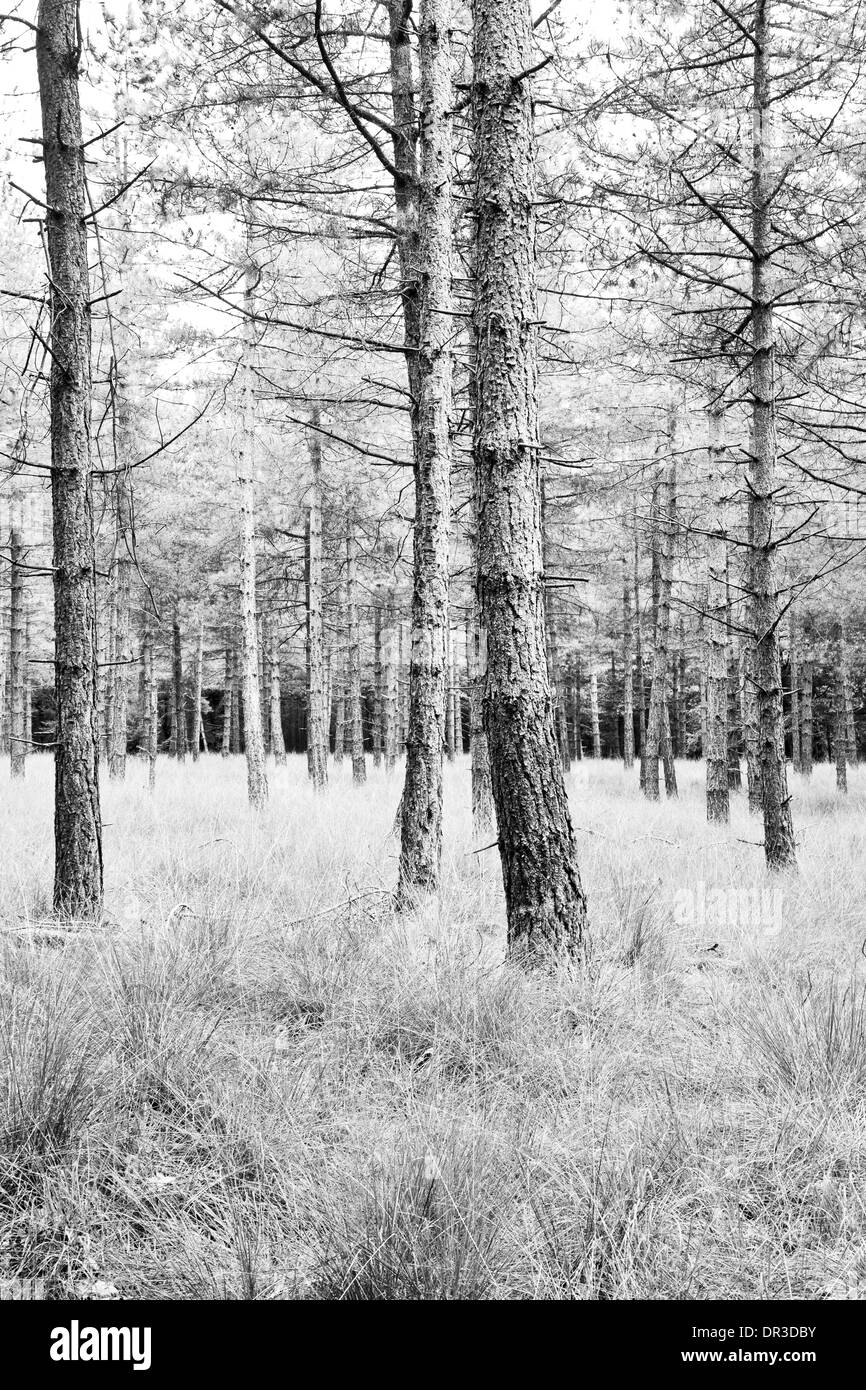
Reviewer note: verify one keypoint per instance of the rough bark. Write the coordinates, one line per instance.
(276, 697)
(749, 717)
(545, 903)
(675, 705)
(627, 672)
(19, 736)
(317, 716)
(4, 678)
(450, 729)
(237, 699)
(639, 671)
(389, 729)
(483, 814)
(735, 742)
(555, 677)
(77, 825)
(178, 711)
(796, 744)
(850, 730)
(667, 752)
(716, 749)
(840, 731)
(664, 521)
(735, 774)
(559, 713)
(593, 715)
(681, 702)
(264, 681)
(806, 677)
(228, 683)
(149, 706)
(576, 712)
(703, 678)
(254, 743)
(356, 724)
(28, 683)
(762, 484)
(340, 702)
(198, 678)
(121, 581)
(378, 685)
(105, 676)
(456, 699)
(554, 673)
(421, 816)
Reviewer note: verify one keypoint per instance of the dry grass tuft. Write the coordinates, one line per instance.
(256, 1083)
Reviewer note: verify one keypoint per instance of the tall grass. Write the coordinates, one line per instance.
(255, 1082)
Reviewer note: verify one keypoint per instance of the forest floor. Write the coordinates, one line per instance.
(254, 1082)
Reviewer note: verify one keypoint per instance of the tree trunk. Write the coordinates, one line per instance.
(276, 696)
(389, 731)
(121, 646)
(19, 737)
(749, 716)
(340, 713)
(552, 643)
(667, 752)
(576, 713)
(850, 730)
(327, 700)
(105, 675)
(716, 750)
(356, 723)
(460, 713)
(681, 711)
(664, 546)
(198, 678)
(421, 817)
(806, 673)
(675, 705)
(403, 694)
(735, 773)
(172, 715)
(237, 699)
(778, 826)
(639, 672)
(555, 677)
(704, 729)
(614, 707)
(5, 742)
(483, 814)
(77, 824)
(179, 714)
(228, 696)
(796, 744)
(545, 903)
(450, 730)
(317, 717)
(840, 732)
(28, 682)
(627, 672)
(378, 692)
(593, 715)
(264, 681)
(254, 742)
(560, 710)
(294, 723)
(149, 706)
